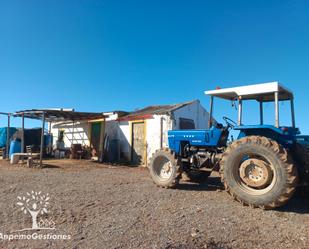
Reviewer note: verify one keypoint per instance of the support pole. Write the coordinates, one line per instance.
(261, 113)
(22, 133)
(277, 109)
(8, 137)
(161, 133)
(239, 110)
(50, 126)
(210, 112)
(42, 139)
(101, 146)
(73, 126)
(292, 112)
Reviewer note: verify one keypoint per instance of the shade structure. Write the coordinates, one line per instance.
(55, 115)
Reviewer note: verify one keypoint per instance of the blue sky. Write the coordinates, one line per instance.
(123, 55)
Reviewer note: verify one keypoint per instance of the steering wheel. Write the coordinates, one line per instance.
(229, 122)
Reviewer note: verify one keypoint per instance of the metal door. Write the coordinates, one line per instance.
(95, 136)
(138, 143)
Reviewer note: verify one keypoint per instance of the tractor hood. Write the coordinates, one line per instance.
(284, 135)
(303, 140)
(284, 130)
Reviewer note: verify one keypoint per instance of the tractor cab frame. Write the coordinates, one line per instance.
(265, 92)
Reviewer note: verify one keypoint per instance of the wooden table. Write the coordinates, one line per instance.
(30, 156)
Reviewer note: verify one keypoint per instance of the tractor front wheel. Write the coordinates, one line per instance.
(165, 168)
(259, 172)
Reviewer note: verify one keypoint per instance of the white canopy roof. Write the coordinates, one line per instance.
(259, 92)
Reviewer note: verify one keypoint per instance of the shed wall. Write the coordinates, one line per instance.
(81, 133)
(194, 111)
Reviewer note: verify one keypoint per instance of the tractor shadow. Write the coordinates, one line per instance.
(50, 166)
(299, 204)
(212, 184)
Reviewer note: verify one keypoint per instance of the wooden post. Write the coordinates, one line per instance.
(73, 124)
(42, 139)
(8, 138)
(101, 146)
(22, 133)
(50, 143)
(292, 112)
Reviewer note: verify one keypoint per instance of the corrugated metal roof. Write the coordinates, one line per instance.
(148, 111)
(120, 113)
(54, 115)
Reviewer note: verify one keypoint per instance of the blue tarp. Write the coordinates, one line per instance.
(3, 135)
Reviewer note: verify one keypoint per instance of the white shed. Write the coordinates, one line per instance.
(142, 132)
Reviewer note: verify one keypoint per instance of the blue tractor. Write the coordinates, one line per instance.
(261, 168)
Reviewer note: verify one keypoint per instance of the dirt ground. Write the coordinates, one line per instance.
(106, 206)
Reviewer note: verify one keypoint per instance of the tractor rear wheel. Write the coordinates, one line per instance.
(259, 172)
(165, 168)
(301, 158)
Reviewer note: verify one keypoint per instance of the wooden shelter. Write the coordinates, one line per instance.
(53, 115)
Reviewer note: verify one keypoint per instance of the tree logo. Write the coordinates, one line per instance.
(36, 203)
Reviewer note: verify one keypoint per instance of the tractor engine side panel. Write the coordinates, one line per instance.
(199, 138)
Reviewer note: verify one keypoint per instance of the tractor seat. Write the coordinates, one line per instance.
(224, 136)
(219, 126)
